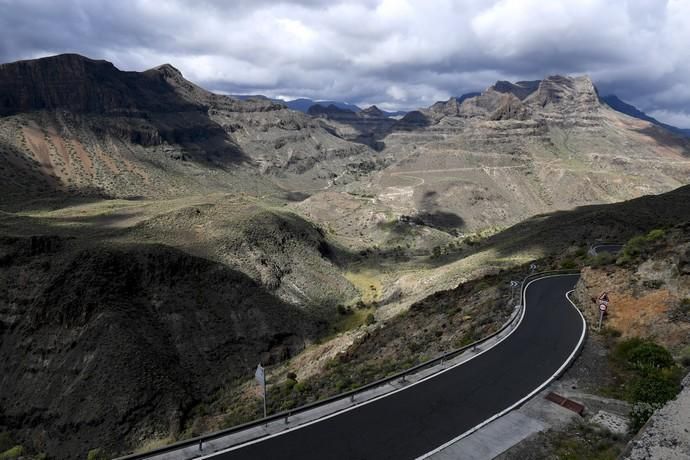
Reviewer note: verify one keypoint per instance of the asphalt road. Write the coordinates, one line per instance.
(609, 248)
(414, 421)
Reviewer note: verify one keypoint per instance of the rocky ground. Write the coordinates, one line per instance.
(667, 434)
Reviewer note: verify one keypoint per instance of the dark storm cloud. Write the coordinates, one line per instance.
(396, 53)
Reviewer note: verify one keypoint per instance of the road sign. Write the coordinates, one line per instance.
(260, 376)
(602, 307)
(514, 284)
(533, 267)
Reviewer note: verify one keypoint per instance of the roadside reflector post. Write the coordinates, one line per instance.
(201, 444)
(352, 398)
(286, 418)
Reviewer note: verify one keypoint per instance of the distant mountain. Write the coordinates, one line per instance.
(617, 104)
(366, 126)
(303, 105)
(524, 148)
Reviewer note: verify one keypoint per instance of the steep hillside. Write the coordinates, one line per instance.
(521, 149)
(365, 126)
(75, 125)
(153, 328)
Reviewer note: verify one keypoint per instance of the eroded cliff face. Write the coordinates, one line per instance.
(109, 346)
(75, 125)
(521, 149)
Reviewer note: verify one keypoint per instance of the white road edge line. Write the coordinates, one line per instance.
(529, 396)
(369, 401)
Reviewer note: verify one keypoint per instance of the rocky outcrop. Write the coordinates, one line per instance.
(77, 125)
(665, 436)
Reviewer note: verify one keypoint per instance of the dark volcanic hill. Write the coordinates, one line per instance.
(78, 84)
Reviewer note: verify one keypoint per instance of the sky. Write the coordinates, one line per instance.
(398, 54)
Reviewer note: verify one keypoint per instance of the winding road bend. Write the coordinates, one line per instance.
(416, 420)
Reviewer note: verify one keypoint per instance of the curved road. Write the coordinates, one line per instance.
(425, 415)
(610, 248)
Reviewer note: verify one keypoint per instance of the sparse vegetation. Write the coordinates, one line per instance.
(648, 374)
(583, 442)
(12, 453)
(640, 246)
(96, 454)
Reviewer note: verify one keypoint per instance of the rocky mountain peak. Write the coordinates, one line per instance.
(520, 89)
(373, 112)
(168, 70)
(331, 110)
(557, 88)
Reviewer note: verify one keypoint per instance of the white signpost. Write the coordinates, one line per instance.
(260, 376)
(602, 309)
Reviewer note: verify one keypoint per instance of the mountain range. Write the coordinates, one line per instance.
(159, 240)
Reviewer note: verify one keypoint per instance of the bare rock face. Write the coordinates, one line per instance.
(75, 83)
(566, 101)
(521, 89)
(76, 125)
(519, 149)
(365, 127)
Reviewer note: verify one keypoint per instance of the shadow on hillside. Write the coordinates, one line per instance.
(585, 225)
(667, 138)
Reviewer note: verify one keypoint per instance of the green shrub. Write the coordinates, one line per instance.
(655, 387)
(12, 453)
(568, 264)
(640, 245)
(643, 354)
(652, 378)
(656, 235)
(640, 413)
(370, 319)
(635, 246)
(96, 454)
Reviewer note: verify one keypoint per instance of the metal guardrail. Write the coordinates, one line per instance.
(350, 394)
(593, 248)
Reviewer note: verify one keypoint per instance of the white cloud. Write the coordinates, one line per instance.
(398, 53)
